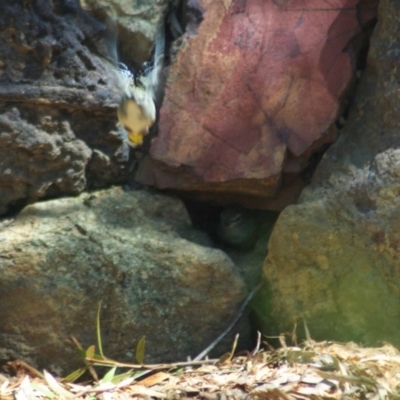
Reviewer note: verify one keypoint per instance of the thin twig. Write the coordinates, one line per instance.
(96, 361)
(233, 323)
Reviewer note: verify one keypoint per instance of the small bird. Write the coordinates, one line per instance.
(237, 227)
(137, 110)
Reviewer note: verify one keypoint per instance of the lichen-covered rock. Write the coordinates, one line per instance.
(251, 95)
(334, 258)
(60, 258)
(58, 99)
(39, 156)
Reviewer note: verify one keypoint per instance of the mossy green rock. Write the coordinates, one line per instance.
(334, 258)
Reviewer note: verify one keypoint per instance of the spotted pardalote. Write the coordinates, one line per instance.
(139, 90)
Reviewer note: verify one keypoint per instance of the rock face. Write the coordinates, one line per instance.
(251, 95)
(334, 258)
(58, 99)
(58, 130)
(60, 258)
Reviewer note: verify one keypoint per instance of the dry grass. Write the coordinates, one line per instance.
(315, 371)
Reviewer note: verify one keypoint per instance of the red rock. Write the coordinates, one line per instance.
(257, 88)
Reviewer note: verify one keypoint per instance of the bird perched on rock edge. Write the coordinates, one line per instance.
(137, 109)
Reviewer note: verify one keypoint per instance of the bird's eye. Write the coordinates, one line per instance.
(128, 129)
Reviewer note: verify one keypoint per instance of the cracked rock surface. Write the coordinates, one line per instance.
(251, 95)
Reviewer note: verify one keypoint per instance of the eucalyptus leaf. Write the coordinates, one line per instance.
(120, 377)
(225, 357)
(98, 331)
(109, 376)
(140, 350)
(73, 376)
(90, 351)
(81, 353)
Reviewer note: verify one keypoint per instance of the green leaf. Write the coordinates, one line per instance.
(99, 345)
(99, 357)
(139, 374)
(73, 376)
(225, 357)
(109, 376)
(90, 351)
(140, 350)
(81, 353)
(121, 377)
